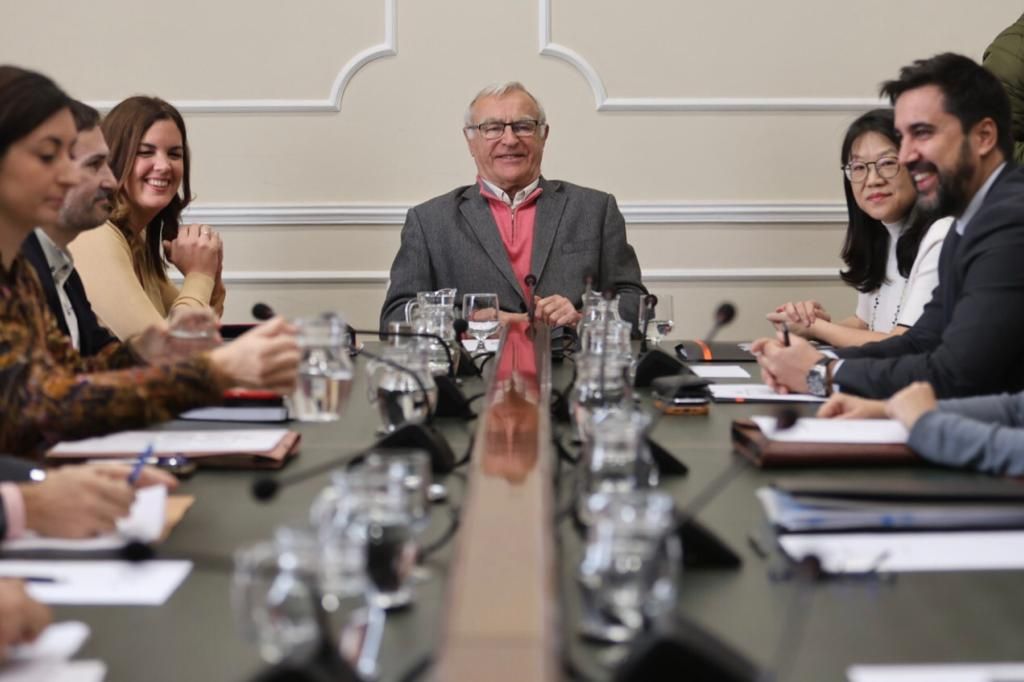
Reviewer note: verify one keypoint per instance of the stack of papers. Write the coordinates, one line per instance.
(956, 672)
(849, 431)
(809, 513)
(189, 443)
(762, 393)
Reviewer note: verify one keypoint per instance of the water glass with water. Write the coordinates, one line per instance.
(325, 370)
(630, 569)
(481, 314)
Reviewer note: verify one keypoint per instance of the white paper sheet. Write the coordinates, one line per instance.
(490, 345)
(713, 371)
(859, 431)
(180, 442)
(237, 414)
(897, 552)
(955, 672)
(758, 393)
(147, 583)
(54, 671)
(59, 641)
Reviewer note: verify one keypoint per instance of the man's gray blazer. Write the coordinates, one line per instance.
(453, 241)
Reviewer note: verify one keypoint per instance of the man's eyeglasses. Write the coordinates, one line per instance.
(492, 130)
(857, 171)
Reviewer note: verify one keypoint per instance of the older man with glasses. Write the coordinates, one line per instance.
(533, 241)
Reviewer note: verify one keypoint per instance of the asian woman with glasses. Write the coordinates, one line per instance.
(891, 249)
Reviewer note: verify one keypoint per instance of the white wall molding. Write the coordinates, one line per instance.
(635, 213)
(380, 277)
(332, 103)
(549, 48)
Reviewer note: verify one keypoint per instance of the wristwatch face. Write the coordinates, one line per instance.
(816, 381)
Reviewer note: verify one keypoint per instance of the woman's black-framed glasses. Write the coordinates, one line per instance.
(857, 171)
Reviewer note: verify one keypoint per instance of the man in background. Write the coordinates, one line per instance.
(534, 242)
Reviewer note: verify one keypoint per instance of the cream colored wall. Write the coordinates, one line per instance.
(314, 125)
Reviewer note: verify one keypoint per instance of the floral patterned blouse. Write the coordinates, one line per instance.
(48, 392)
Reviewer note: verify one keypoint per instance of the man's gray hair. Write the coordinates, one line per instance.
(500, 90)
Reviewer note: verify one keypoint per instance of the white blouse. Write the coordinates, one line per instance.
(900, 300)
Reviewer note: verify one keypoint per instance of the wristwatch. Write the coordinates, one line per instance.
(819, 379)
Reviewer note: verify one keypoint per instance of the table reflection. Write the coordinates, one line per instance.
(511, 441)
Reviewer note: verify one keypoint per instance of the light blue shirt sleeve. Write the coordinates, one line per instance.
(985, 433)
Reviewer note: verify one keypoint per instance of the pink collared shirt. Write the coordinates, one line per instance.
(515, 217)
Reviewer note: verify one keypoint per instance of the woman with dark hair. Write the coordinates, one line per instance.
(124, 263)
(49, 391)
(891, 250)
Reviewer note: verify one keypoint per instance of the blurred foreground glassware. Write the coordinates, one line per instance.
(602, 382)
(402, 386)
(630, 569)
(325, 371)
(617, 459)
(274, 593)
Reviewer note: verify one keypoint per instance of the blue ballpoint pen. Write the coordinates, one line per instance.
(144, 456)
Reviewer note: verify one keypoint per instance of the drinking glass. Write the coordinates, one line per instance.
(274, 593)
(390, 551)
(325, 371)
(383, 516)
(661, 320)
(342, 542)
(191, 331)
(481, 313)
(617, 458)
(402, 386)
(411, 469)
(630, 568)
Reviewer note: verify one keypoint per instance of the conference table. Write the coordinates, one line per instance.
(909, 617)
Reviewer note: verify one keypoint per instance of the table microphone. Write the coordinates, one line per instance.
(531, 305)
(724, 314)
(650, 306)
(262, 311)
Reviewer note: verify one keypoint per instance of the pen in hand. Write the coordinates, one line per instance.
(785, 334)
(136, 472)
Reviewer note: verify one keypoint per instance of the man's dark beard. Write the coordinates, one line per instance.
(951, 193)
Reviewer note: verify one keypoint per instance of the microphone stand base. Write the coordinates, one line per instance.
(703, 549)
(686, 652)
(656, 363)
(422, 437)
